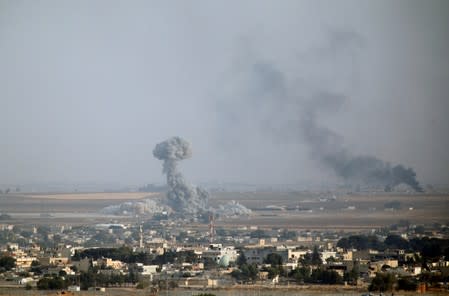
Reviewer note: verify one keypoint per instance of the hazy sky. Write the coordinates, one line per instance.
(87, 88)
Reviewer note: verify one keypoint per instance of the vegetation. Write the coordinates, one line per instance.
(312, 259)
(241, 259)
(143, 284)
(93, 278)
(53, 283)
(165, 284)
(246, 273)
(7, 263)
(407, 284)
(126, 254)
(394, 241)
(258, 234)
(301, 274)
(428, 247)
(317, 276)
(352, 276)
(328, 277)
(382, 282)
(275, 260)
(360, 242)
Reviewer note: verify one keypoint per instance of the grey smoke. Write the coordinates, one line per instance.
(327, 146)
(296, 104)
(232, 209)
(182, 197)
(142, 207)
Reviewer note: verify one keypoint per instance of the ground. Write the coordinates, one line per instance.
(294, 210)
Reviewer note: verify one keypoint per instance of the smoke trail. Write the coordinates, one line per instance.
(327, 146)
(182, 197)
(294, 108)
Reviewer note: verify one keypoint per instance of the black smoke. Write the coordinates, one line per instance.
(296, 104)
(327, 147)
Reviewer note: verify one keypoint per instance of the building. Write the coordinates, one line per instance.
(217, 252)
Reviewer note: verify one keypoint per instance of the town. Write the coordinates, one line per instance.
(224, 148)
(161, 254)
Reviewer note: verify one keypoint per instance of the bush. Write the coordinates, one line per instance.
(360, 242)
(407, 284)
(55, 283)
(7, 262)
(328, 277)
(143, 285)
(396, 241)
(382, 282)
(246, 273)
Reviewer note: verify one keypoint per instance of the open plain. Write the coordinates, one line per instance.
(294, 210)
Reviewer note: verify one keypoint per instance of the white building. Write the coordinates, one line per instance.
(217, 252)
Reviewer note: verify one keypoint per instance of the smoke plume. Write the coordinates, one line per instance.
(182, 197)
(296, 100)
(327, 147)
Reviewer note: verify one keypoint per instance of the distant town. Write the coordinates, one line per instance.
(164, 253)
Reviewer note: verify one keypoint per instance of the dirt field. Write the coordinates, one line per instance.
(94, 195)
(231, 291)
(303, 210)
(294, 210)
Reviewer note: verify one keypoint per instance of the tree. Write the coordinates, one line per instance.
(446, 253)
(407, 284)
(241, 259)
(209, 263)
(301, 274)
(353, 275)
(55, 283)
(311, 259)
(36, 267)
(316, 258)
(360, 242)
(246, 273)
(274, 259)
(7, 263)
(258, 234)
(322, 276)
(397, 242)
(382, 282)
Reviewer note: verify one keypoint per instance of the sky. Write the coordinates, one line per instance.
(88, 88)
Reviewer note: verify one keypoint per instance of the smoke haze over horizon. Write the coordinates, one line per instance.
(266, 91)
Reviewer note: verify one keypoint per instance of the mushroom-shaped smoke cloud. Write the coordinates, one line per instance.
(182, 197)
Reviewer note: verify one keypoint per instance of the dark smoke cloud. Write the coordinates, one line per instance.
(295, 109)
(182, 197)
(327, 147)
